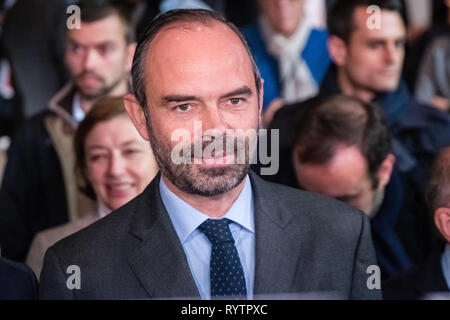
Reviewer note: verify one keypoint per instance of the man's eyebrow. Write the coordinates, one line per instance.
(238, 92)
(181, 98)
(72, 41)
(378, 40)
(104, 43)
(178, 98)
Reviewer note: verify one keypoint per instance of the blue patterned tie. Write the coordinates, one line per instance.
(227, 275)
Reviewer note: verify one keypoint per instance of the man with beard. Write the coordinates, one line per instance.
(368, 65)
(342, 149)
(39, 186)
(208, 228)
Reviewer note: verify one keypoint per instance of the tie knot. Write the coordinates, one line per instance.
(217, 231)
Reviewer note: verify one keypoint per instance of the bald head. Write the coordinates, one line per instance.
(182, 56)
(183, 21)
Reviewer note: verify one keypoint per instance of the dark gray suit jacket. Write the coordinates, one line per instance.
(303, 243)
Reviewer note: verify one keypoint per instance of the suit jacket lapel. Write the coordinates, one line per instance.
(162, 268)
(275, 265)
(159, 261)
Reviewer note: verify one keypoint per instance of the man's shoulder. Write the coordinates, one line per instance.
(428, 121)
(17, 281)
(315, 209)
(423, 114)
(419, 281)
(9, 267)
(440, 46)
(101, 236)
(33, 129)
(35, 123)
(32, 140)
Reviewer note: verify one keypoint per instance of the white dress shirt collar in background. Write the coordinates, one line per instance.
(78, 113)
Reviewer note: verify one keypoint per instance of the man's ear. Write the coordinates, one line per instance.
(136, 114)
(130, 54)
(385, 171)
(338, 50)
(442, 222)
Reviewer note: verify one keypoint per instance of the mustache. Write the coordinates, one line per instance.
(217, 145)
(89, 73)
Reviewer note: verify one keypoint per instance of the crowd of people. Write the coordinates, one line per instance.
(357, 113)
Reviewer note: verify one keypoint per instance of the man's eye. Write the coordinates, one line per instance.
(235, 101)
(75, 48)
(105, 49)
(183, 107)
(375, 45)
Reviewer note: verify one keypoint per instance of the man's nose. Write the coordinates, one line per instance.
(91, 60)
(391, 54)
(213, 119)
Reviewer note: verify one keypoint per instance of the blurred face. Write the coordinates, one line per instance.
(373, 59)
(202, 74)
(283, 15)
(345, 178)
(119, 163)
(99, 58)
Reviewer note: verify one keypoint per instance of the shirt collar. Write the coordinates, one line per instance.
(78, 113)
(187, 219)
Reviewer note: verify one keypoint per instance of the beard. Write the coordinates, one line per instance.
(103, 90)
(378, 198)
(196, 179)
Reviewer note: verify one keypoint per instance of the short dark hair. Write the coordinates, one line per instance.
(341, 21)
(206, 17)
(95, 10)
(438, 185)
(104, 109)
(342, 120)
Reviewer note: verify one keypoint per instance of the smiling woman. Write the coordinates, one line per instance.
(115, 165)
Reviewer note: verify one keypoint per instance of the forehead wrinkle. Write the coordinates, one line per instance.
(170, 47)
